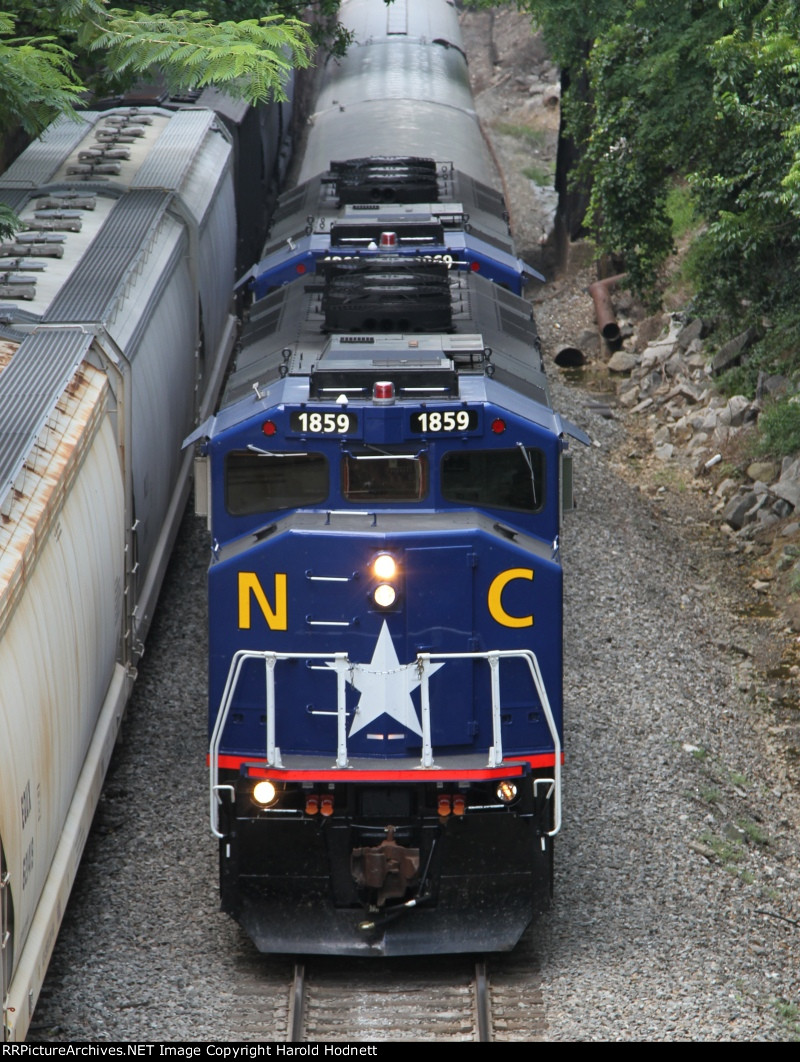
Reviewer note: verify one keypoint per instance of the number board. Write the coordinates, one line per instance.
(444, 421)
(318, 423)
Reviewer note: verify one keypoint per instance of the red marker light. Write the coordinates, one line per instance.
(269, 427)
(444, 806)
(459, 805)
(475, 266)
(300, 268)
(383, 391)
(326, 806)
(388, 241)
(312, 804)
(498, 426)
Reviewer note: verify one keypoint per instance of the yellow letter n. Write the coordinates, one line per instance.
(276, 618)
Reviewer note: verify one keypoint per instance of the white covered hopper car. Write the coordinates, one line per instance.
(115, 329)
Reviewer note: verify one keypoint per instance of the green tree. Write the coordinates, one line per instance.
(651, 118)
(707, 93)
(748, 259)
(75, 46)
(638, 104)
(46, 70)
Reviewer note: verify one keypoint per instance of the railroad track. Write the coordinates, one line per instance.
(447, 998)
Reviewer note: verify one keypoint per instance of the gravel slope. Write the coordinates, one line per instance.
(677, 912)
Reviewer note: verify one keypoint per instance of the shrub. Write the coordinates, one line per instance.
(779, 426)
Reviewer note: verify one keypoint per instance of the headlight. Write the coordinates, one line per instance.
(264, 794)
(507, 792)
(384, 566)
(384, 595)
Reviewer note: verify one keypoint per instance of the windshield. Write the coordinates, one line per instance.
(495, 479)
(258, 481)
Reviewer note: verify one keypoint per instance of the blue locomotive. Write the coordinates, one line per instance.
(384, 482)
(434, 211)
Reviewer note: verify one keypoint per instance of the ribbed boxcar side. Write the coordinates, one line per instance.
(262, 143)
(127, 262)
(60, 621)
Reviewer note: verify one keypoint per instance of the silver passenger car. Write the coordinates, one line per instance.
(368, 106)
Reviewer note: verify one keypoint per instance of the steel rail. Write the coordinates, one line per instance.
(297, 994)
(482, 1004)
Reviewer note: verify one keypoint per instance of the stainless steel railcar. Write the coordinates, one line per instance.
(402, 89)
(116, 328)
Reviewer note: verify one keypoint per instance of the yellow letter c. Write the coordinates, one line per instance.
(495, 592)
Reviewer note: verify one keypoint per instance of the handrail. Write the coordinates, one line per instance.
(341, 665)
(494, 657)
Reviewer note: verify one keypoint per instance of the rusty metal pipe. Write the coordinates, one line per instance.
(600, 291)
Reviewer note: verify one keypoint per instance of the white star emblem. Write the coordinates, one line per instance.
(386, 686)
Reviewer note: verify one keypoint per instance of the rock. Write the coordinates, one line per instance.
(730, 353)
(675, 365)
(788, 486)
(650, 329)
(733, 415)
(761, 500)
(737, 509)
(682, 430)
(589, 341)
(700, 459)
(773, 386)
(764, 470)
(657, 353)
(662, 435)
(687, 391)
(622, 361)
(691, 332)
(709, 421)
(790, 467)
(665, 451)
(789, 491)
(697, 441)
(628, 398)
(651, 382)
